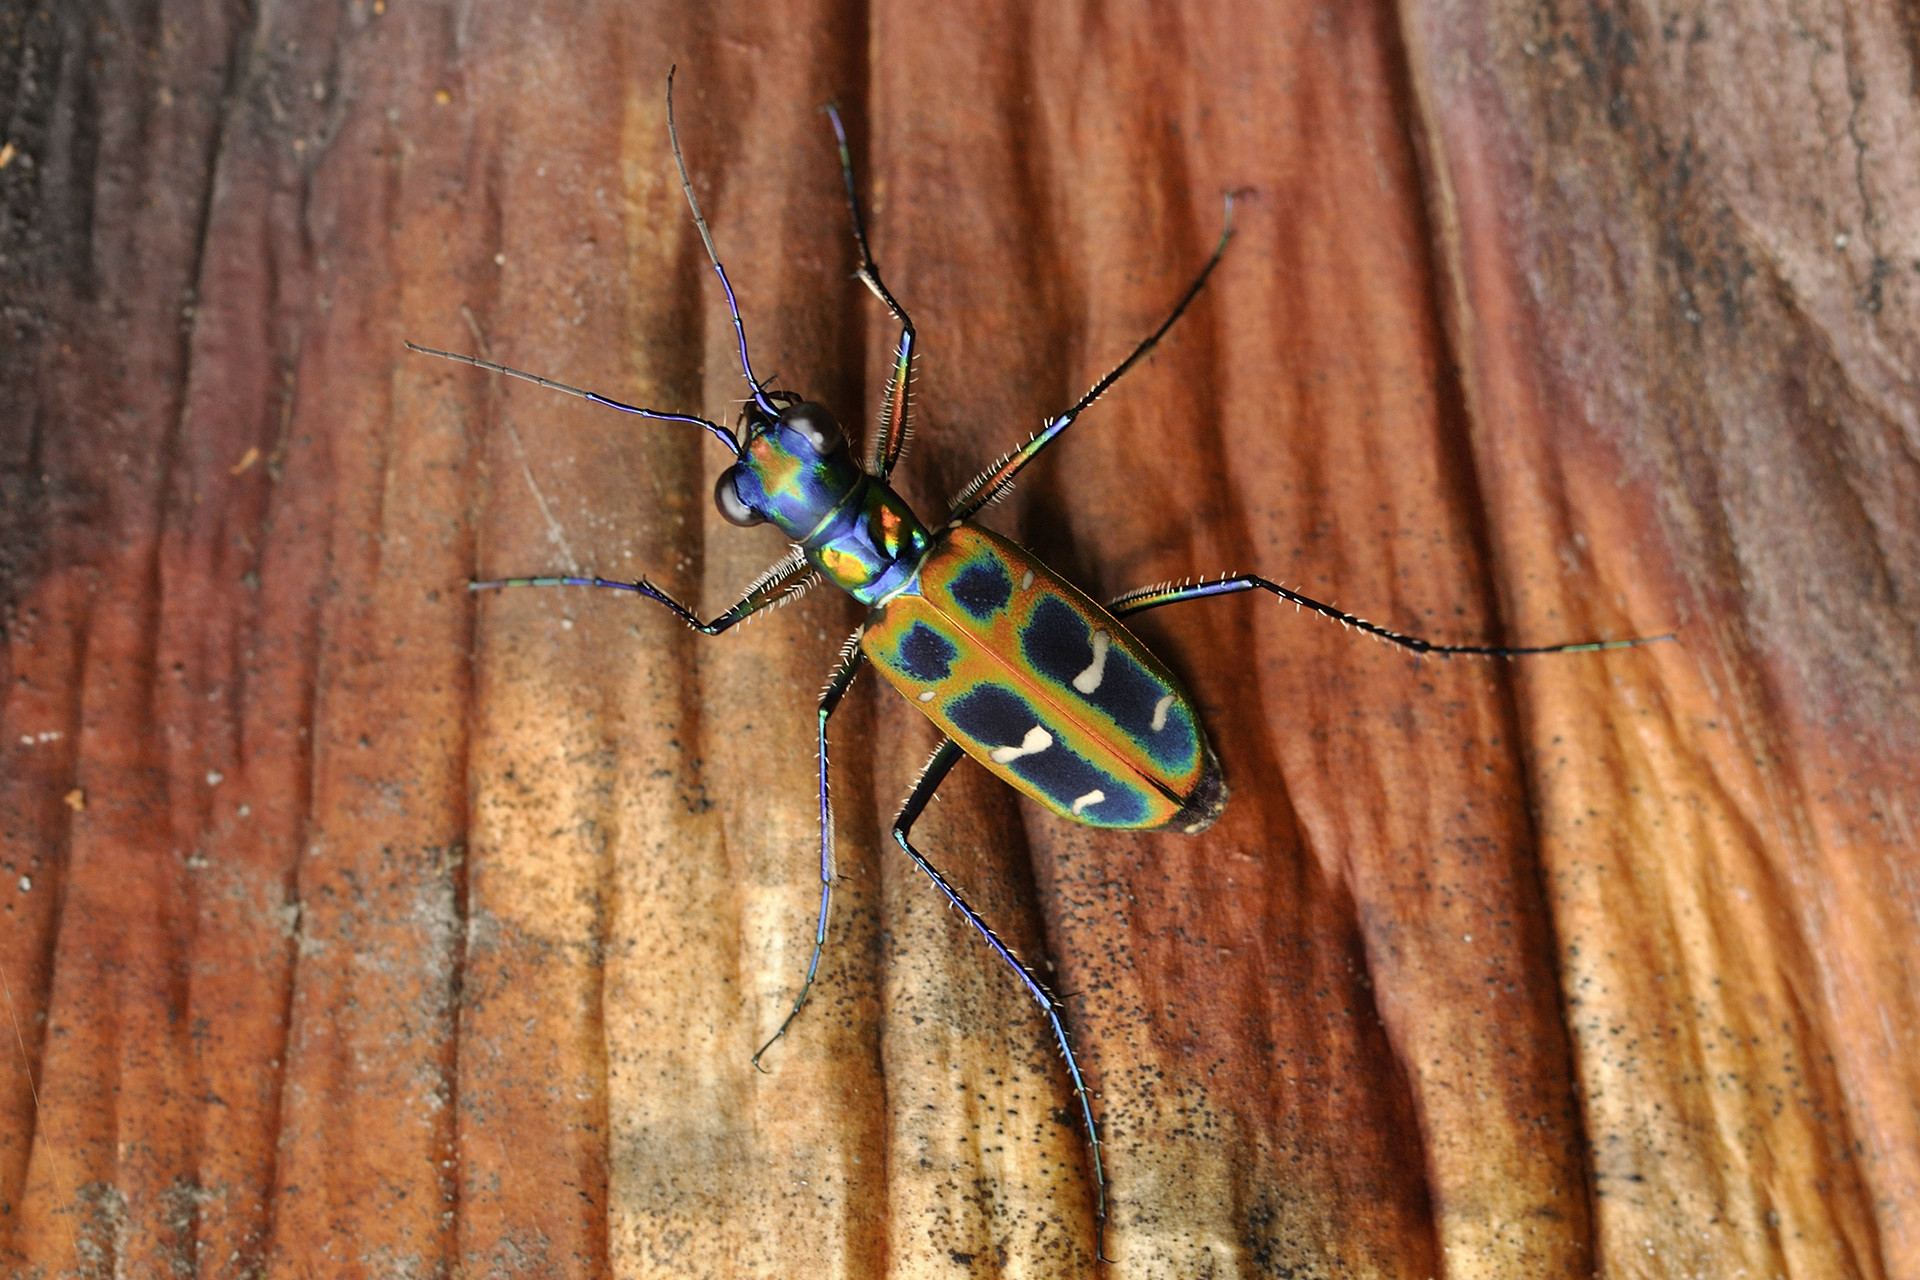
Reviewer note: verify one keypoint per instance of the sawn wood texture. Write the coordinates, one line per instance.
(357, 927)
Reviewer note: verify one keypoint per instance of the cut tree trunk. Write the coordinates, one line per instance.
(356, 925)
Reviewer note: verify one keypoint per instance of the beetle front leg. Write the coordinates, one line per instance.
(776, 586)
(891, 439)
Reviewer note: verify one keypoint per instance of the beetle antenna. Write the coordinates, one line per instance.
(706, 238)
(720, 433)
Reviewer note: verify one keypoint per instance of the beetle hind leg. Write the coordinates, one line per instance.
(944, 758)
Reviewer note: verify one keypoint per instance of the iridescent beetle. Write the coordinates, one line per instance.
(1015, 665)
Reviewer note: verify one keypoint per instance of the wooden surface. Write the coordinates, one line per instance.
(357, 927)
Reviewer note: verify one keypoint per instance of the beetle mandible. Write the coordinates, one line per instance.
(1017, 667)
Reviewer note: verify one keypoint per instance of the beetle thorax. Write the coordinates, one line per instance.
(795, 471)
(871, 546)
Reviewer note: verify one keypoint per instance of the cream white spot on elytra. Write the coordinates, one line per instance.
(1026, 580)
(1160, 713)
(927, 696)
(1092, 797)
(1036, 741)
(1089, 680)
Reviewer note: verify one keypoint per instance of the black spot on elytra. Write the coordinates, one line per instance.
(994, 715)
(926, 655)
(1056, 640)
(1059, 644)
(998, 717)
(983, 588)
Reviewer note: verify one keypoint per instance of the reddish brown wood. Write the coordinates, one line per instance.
(357, 927)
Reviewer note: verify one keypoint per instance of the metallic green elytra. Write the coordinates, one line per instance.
(1044, 687)
(1016, 666)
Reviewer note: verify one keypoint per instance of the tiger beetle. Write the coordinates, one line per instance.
(1016, 666)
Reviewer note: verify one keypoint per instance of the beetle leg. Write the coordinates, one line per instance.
(891, 440)
(837, 686)
(944, 758)
(775, 587)
(1139, 601)
(992, 484)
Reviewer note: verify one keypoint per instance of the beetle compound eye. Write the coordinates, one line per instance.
(817, 424)
(727, 497)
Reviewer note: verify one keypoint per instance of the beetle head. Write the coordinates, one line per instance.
(794, 467)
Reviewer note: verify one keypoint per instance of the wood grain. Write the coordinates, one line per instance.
(355, 926)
